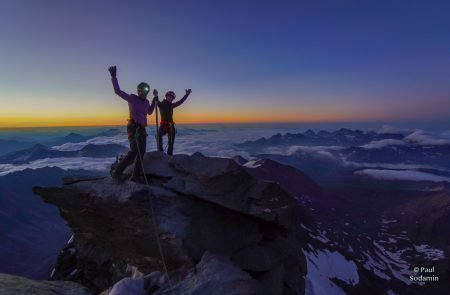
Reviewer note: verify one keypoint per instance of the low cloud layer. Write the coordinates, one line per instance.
(101, 140)
(222, 142)
(397, 166)
(81, 163)
(425, 138)
(315, 151)
(211, 142)
(410, 175)
(379, 144)
(217, 143)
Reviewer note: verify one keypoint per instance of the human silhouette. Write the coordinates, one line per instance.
(139, 107)
(167, 125)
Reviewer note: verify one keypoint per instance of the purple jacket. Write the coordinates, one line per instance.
(139, 108)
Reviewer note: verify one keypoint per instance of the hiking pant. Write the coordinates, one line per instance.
(137, 138)
(169, 129)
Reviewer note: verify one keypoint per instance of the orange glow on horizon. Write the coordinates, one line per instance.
(182, 118)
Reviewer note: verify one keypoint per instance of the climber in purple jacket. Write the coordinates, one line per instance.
(139, 107)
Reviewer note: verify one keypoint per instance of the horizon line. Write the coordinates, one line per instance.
(197, 123)
(216, 123)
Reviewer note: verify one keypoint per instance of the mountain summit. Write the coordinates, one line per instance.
(219, 228)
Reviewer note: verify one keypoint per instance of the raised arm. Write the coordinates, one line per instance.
(183, 99)
(155, 97)
(115, 82)
(151, 108)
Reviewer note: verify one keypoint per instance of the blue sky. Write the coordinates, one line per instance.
(244, 60)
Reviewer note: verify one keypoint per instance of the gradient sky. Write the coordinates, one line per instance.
(246, 61)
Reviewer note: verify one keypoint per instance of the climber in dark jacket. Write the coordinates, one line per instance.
(167, 125)
(139, 107)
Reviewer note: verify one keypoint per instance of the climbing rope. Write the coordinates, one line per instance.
(153, 214)
(157, 128)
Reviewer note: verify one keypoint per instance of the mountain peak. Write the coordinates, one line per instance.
(209, 213)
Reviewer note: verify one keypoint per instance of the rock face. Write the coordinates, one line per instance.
(18, 285)
(218, 228)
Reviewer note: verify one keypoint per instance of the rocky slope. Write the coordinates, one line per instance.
(12, 285)
(360, 243)
(220, 231)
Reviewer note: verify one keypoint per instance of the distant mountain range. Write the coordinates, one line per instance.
(40, 151)
(17, 143)
(342, 137)
(75, 137)
(342, 152)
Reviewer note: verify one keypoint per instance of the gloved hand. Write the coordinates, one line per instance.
(113, 71)
(188, 91)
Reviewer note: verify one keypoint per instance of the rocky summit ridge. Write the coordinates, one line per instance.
(221, 231)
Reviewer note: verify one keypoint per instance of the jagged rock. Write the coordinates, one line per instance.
(197, 204)
(14, 285)
(66, 262)
(214, 274)
(223, 182)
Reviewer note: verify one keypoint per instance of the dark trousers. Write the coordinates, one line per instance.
(168, 129)
(137, 137)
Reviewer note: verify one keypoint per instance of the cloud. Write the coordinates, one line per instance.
(379, 144)
(311, 149)
(218, 143)
(314, 151)
(211, 142)
(424, 138)
(391, 166)
(325, 154)
(410, 175)
(79, 163)
(101, 140)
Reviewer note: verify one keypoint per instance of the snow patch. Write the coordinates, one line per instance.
(253, 164)
(430, 253)
(323, 266)
(321, 237)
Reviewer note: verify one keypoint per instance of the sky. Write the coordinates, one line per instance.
(245, 61)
